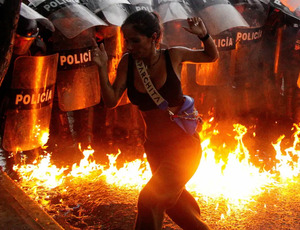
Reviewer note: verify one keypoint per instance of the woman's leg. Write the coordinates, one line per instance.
(186, 213)
(172, 166)
(160, 193)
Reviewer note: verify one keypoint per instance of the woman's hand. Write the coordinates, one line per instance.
(100, 56)
(196, 26)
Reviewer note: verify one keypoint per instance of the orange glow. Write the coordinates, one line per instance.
(118, 54)
(236, 179)
(43, 173)
(184, 77)
(133, 174)
(206, 73)
(44, 138)
(86, 165)
(291, 4)
(207, 68)
(277, 51)
(286, 165)
(113, 64)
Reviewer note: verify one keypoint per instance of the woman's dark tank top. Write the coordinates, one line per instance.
(171, 91)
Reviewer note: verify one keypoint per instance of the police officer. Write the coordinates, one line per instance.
(25, 35)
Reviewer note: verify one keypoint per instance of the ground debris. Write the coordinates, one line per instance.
(98, 205)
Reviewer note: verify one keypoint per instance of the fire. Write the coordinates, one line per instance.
(44, 138)
(233, 178)
(43, 173)
(133, 174)
(288, 162)
(86, 165)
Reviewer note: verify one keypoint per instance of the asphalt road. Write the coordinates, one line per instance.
(18, 211)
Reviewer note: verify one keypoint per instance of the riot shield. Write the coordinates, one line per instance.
(253, 11)
(115, 49)
(218, 15)
(69, 17)
(215, 79)
(296, 52)
(248, 84)
(136, 5)
(218, 73)
(29, 13)
(113, 11)
(31, 96)
(248, 74)
(289, 69)
(175, 35)
(173, 10)
(9, 15)
(78, 84)
(288, 7)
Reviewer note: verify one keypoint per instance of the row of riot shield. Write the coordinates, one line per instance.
(238, 30)
(102, 12)
(31, 80)
(257, 70)
(69, 72)
(218, 15)
(214, 13)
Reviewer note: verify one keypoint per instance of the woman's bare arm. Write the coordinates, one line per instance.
(208, 54)
(111, 93)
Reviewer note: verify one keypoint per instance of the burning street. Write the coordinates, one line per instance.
(236, 192)
(93, 92)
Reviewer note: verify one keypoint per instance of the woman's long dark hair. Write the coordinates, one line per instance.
(146, 23)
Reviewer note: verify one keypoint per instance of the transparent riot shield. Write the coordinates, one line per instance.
(175, 35)
(219, 72)
(69, 17)
(253, 11)
(136, 5)
(218, 15)
(113, 11)
(78, 84)
(115, 48)
(215, 79)
(289, 70)
(8, 24)
(248, 72)
(29, 13)
(173, 10)
(31, 97)
(288, 7)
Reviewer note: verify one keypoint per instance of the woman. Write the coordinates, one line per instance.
(172, 154)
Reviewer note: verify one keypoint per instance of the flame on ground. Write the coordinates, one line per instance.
(235, 179)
